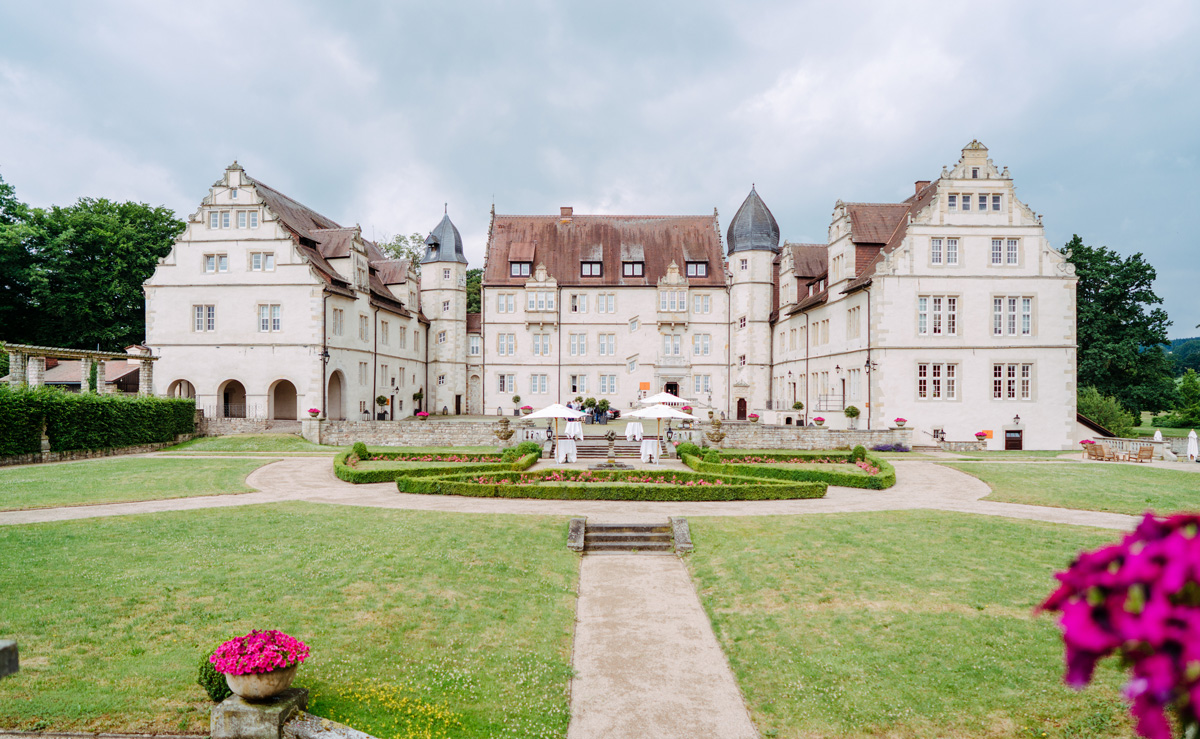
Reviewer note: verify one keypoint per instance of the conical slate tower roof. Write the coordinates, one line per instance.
(753, 226)
(444, 244)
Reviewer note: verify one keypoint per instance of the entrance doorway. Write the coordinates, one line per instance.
(741, 409)
(1014, 440)
(333, 397)
(458, 405)
(233, 400)
(672, 388)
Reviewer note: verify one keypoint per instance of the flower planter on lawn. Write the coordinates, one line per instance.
(262, 685)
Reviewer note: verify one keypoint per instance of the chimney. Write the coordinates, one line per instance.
(921, 185)
(565, 213)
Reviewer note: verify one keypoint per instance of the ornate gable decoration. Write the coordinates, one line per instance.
(673, 278)
(975, 156)
(541, 278)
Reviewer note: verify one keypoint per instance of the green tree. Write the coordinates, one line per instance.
(89, 261)
(17, 311)
(1189, 390)
(475, 291)
(1106, 411)
(411, 247)
(1186, 356)
(1120, 335)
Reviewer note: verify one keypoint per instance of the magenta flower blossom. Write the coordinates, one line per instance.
(1140, 600)
(258, 652)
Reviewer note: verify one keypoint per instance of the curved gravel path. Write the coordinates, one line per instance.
(921, 485)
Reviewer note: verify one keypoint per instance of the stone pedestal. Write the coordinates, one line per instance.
(16, 369)
(35, 371)
(9, 664)
(101, 383)
(237, 718)
(85, 375)
(146, 377)
(310, 429)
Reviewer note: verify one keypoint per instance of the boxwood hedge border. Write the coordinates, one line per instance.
(740, 487)
(344, 471)
(88, 421)
(886, 477)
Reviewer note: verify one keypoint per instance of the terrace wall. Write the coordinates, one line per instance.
(760, 436)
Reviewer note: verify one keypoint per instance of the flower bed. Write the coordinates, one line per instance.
(879, 474)
(345, 471)
(565, 484)
(426, 457)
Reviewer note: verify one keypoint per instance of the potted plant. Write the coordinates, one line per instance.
(711, 414)
(797, 406)
(900, 422)
(526, 409)
(260, 664)
(579, 399)
(602, 406)
(516, 400)
(819, 421)
(423, 415)
(314, 412)
(753, 417)
(686, 409)
(980, 435)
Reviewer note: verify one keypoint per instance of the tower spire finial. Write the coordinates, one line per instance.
(445, 209)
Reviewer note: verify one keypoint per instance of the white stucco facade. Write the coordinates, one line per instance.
(950, 310)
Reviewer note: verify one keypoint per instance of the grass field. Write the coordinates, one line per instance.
(252, 443)
(1090, 486)
(121, 480)
(420, 624)
(912, 624)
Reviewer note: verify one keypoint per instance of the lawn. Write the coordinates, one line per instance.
(1014, 454)
(420, 624)
(121, 480)
(1146, 429)
(1090, 486)
(898, 624)
(251, 443)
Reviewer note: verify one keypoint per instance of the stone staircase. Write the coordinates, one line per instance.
(629, 538)
(593, 447)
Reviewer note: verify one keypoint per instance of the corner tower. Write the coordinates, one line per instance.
(753, 240)
(444, 303)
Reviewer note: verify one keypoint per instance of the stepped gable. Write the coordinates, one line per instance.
(444, 244)
(875, 217)
(562, 242)
(753, 226)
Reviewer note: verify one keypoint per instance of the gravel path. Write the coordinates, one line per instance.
(921, 485)
(647, 664)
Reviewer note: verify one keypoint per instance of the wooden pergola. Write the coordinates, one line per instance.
(27, 365)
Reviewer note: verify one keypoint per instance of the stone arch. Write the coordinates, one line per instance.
(231, 399)
(334, 401)
(282, 399)
(181, 389)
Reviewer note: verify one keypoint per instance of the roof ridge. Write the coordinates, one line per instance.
(599, 215)
(901, 204)
(289, 198)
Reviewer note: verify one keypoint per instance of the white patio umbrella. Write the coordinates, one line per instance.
(660, 412)
(1193, 448)
(663, 398)
(1158, 435)
(556, 411)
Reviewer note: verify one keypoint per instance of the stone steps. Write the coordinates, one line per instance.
(629, 538)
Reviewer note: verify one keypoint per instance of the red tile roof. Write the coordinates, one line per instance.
(474, 323)
(916, 202)
(563, 243)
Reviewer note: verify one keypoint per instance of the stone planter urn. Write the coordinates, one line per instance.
(900, 424)
(819, 421)
(260, 686)
(313, 415)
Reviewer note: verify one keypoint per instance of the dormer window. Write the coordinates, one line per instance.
(519, 269)
(697, 269)
(591, 269)
(633, 269)
(233, 193)
(974, 173)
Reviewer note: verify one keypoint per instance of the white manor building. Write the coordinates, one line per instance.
(950, 310)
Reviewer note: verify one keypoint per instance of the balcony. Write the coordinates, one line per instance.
(830, 402)
(672, 318)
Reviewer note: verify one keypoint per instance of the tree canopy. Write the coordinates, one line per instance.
(411, 247)
(474, 290)
(72, 276)
(1120, 333)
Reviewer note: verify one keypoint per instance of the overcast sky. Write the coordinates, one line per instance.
(377, 113)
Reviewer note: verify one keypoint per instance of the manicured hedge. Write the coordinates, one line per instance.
(345, 472)
(885, 479)
(736, 488)
(87, 420)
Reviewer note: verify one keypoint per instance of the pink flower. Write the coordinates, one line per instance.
(258, 652)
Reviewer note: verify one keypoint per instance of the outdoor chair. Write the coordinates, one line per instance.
(1107, 454)
(1144, 454)
(1092, 452)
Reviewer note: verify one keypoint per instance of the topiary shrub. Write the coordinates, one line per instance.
(360, 450)
(212, 681)
(712, 456)
(529, 447)
(687, 448)
(509, 456)
(858, 454)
